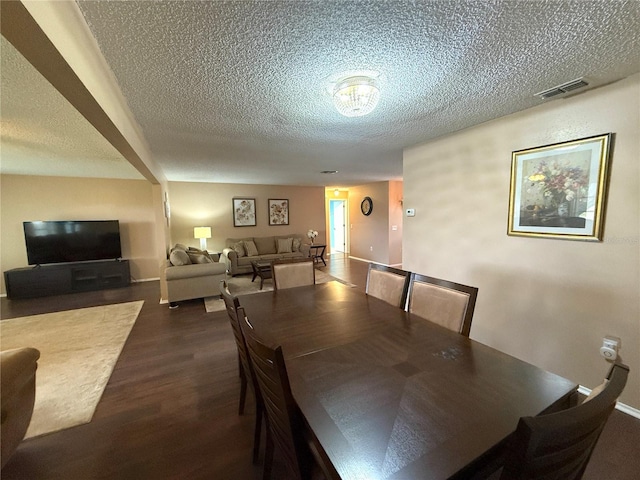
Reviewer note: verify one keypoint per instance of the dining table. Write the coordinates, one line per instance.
(389, 395)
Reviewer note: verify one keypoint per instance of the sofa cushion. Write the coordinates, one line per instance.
(238, 247)
(250, 248)
(265, 245)
(285, 245)
(179, 257)
(295, 247)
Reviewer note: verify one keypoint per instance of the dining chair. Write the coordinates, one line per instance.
(443, 302)
(293, 272)
(558, 446)
(244, 366)
(388, 284)
(286, 427)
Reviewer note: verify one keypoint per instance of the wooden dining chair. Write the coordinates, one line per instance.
(286, 427)
(244, 366)
(293, 272)
(388, 284)
(558, 446)
(443, 302)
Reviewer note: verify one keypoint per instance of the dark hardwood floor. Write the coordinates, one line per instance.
(169, 410)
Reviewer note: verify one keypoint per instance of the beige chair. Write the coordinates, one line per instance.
(558, 446)
(289, 273)
(388, 284)
(446, 303)
(17, 396)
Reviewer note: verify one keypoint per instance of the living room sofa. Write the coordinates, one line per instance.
(240, 252)
(190, 273)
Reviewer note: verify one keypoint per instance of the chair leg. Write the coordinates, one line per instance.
(257, 432)
(268, 457)
(243, 394)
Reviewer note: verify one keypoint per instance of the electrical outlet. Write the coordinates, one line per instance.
(610, 347)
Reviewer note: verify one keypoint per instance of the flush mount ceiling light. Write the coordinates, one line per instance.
(356, 96)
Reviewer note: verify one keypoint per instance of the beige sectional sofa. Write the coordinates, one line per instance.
(240, 252)
(190, 273)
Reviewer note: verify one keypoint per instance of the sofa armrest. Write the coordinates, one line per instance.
(230, 258)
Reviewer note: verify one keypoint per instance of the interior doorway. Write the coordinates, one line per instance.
(338, 226)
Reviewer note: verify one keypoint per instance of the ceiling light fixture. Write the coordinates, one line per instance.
(356, 96)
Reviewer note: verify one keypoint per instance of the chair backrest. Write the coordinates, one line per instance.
(293, 272)
(559, 445)
(232, 305)
(283, 417)
(443, 302)
(388, 284)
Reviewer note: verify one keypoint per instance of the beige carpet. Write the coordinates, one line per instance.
(242, 285)
(78, 351)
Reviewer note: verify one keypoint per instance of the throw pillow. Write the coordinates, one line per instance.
(179, 257)
(296, 244)
(199, 257)
(238, 247)
(285, 245)
(250, 248)
(180, 246)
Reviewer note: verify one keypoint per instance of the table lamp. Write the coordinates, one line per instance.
(202, 233)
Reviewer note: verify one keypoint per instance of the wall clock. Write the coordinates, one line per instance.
(366, 206)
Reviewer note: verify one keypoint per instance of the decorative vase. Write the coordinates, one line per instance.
(563, 209)
(312, 240)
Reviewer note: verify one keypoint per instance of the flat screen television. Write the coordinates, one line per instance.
(72, 241)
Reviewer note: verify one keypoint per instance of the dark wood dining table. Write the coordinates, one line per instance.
(388, 395)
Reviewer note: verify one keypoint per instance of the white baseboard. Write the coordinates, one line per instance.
(624, 408)
(140, 280)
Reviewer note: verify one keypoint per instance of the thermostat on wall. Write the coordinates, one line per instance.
(411, 212)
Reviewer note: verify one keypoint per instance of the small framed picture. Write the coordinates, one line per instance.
(244, 212)
(559, 190)
(278, 211)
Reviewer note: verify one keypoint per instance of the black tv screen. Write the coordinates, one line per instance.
(72, 241)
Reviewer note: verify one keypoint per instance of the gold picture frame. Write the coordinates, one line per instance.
(559, 190)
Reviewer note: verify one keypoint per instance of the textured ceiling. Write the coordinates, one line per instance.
(236, 91)
(42, 134)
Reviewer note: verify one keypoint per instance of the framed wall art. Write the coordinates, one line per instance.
(244, 212)
(278, 211)
(559, 190)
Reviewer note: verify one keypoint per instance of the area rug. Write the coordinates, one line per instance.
(78, 351)
(242, 285)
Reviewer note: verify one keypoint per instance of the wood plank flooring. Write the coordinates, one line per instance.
(170, 408)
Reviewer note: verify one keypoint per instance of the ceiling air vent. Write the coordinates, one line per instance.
(561, 89)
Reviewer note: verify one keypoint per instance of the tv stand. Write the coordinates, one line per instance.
(57, 279)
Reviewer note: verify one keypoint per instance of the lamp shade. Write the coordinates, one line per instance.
(202, 232)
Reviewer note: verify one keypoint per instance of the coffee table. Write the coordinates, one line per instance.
(262, 270)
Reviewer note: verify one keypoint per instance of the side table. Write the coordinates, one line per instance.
(316, 251)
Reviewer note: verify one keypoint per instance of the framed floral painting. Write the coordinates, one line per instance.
(278, 211)
(559, 190)
(244, 212)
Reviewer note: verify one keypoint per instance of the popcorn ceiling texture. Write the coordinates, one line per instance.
(237, 91)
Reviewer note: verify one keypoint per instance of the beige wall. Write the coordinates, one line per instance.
(27, 198)
(546, 301)
(395, 221)
(372, 237)
(210, 205)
